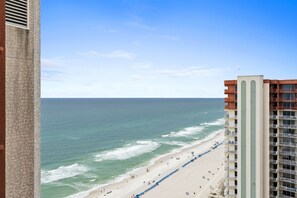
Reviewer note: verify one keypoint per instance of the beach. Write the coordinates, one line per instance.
(183, 177)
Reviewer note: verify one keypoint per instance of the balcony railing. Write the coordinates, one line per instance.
(274, 188)
(287, 90)
(230, 142)
(288, 180)
(288, 135)
(230, 151)
(288, 99)
(274, 170)
(273, 126)
(291, 153)
(229, 194)
(287, 108)
(273, 143)
(273, 116)
(229, 133)
(288, 117)
(228, 176)
(273, 178)
(230, 160)
(288, 126)
(274, 152)
(288, 189)
(288, 162)
(290, 144)
(273, 161)
(288, 171)
(227, 125)
(273, 134)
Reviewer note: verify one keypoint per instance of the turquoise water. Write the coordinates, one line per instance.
(89, 142)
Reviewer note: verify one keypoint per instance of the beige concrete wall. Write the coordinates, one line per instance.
(265, 153)
(23, 107)
(259, 135)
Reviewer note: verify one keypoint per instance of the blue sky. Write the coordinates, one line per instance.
(163, 48)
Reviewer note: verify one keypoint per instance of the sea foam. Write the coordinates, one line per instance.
(63, 172)
(218, 122)
(189, 131)
(185, 132)
(128, 151)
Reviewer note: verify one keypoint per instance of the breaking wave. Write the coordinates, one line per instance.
(128, 151)
(185, 132)
(63, 172)
(218, 122)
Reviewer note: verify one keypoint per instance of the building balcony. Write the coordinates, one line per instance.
(274, 179)
(285, 196)
(228, 160)
(232, 178)
(229, 194)
(232, 168)
(230, 106)
(288, 180)
(274, 117)
(228, 125)
(288, 100)
(229, 99)
(230, 142)
(273, 126)
(288, 171)
(273, 152)
(228, 116)
(274, 170)
(230, 82)
(290, 153)
(287, 90)
(273, 188)
(288, 189)
(230, 91)
(288, 162)
(273, 143)
(288, 144)
(273, 134)
(272, 99)
(288, 126)
(273, 161)
(230, 152)
(288, 117)
(287, 107)
(288, 135)
(229, 133)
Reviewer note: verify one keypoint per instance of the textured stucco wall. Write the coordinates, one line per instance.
(23, 107)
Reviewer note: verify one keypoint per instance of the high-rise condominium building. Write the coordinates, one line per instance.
(261, 138)
(19, 99)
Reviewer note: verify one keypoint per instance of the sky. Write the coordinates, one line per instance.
(163, 48)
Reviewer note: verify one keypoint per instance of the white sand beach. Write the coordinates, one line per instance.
(199, 178)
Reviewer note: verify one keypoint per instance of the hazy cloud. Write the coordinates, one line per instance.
(141, 25)
(170, 37)
(136, 77)
(118, 54)
(141, 65)
(51, 75)
(51, 62)
(191, 71)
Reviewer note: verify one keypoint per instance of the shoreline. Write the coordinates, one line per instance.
(134, 181)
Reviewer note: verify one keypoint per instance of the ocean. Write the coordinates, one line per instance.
(86, 143)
